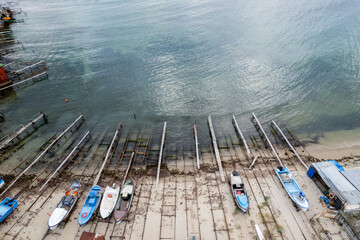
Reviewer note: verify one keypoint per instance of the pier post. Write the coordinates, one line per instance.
(241, 136)
(289, 144)
(216, 149)
(197, 148)
(160, 155)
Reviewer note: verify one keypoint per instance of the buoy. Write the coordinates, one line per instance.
(66, 100)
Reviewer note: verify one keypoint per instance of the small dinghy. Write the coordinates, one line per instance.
(7, 206)
(239, 191)
(91, 204)
(124, 202)
(65, 205)
(108, 201)
(292, 188)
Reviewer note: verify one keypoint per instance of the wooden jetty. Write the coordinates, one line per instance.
(263, 135)
(196, 148)
(22, 131)
(85, 137)
(277, 129)
(238, 131)
(42, 154)
(161, 153)
(216, 149)
(107, 155)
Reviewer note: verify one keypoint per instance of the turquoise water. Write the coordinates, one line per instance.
(296, 62)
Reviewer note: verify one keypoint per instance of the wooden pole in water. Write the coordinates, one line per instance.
(107, 155)
(161, 153)
(289, 144)
(42, 154)
(216, 150)
(241, 136)
(128, 169)
(197, 148)
(267, 139)
(65, 160)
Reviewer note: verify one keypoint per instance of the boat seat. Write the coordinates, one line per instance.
(92, 202)
(92, 193)
(285, 177)
(68, 200)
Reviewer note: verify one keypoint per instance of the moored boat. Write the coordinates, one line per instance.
(239, 191)
(108, 201)
(65, 205)
(292, 187)
(91, 204)
(124, 201)
(7, 206)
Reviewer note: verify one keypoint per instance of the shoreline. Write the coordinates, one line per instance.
(335, 145)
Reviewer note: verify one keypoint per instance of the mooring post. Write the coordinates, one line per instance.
(107, 155)
(216, 150)
(160, 155)
(267, 139)
(241, 136)
(197, 148)
(289, 144)
(42, 154)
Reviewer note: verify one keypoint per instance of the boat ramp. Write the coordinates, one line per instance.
(179, 201)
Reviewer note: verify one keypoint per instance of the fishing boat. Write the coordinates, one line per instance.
(108, 201)
(91, 204)
(124, 202)
(7, 206)
(292, 188)
(239, 191)
(65, 205)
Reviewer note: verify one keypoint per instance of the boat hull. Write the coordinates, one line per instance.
(7, 206)
(123, 206)
(239, 191)
(108, 201)
(292, 188)
(91, 204)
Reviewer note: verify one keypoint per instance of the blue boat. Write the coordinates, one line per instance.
(91, 204)
(7, 206)
(292, 188)
(239, 191)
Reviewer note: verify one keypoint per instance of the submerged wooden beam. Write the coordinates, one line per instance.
(267, 139)
(128, 169)
(65, 160)
(161, 153)
(15, 135)
(216, 149)
(241, 136)
(197, 148)
(107, 155)
(289, 144)
(42, 154)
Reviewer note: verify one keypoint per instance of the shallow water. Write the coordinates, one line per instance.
(296, 62)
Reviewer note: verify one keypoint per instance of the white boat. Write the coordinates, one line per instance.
(108, 201)
(65, 206)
